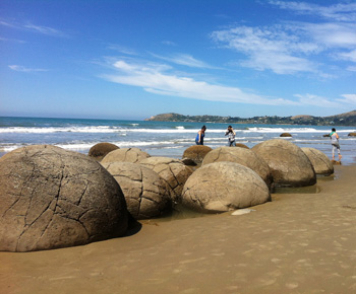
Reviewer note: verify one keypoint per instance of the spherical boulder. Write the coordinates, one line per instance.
(243, 156)
(321, 163)
(126, 155)
(289, 165)
(173, 171)
(241, 145)
(353, 134)
(224, 186)
(52, 198)
(196, 153)
(98, 151)
(285, 135)
(147, 194)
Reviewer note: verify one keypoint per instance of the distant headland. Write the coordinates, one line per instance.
(344, 119)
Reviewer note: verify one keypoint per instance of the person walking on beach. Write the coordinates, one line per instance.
(231, 133)
(335, 143)
(199, 140)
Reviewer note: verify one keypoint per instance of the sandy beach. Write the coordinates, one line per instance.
(299, 243)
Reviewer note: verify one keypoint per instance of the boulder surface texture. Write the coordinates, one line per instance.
(289, 165)
(51, 198)
(321, 163)
(126, 155)
(98, 151)
(196, 153)
(242, 156)
(224, 186)
(147, 194)
(173, 171)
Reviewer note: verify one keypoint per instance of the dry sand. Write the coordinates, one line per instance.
(299, 243)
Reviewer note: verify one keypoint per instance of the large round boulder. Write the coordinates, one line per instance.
(242, 156)
(196, 153)
(98, 151)
(321, 163)
(289, 165)
(147, 194)
(51, 198)
(126, 155)
(224, 186)
(172, 170)
(352, 134)
(240, 145)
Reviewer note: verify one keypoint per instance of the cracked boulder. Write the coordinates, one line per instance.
(147, 194)
(321, 163)
(133, 155)
(242, 156)
(224, 186)
(100, 150)
(289, 165)
(52, 198)
(196, 153)
(173, 171)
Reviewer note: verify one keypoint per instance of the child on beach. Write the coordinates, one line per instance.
(199, 140)
(231, 133)
(335, 143)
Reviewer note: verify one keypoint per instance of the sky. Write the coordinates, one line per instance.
(134, 59)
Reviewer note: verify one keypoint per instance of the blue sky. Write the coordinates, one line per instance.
(134, 59)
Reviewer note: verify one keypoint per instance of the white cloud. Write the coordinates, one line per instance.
(338, 12)
(269, 48)
(184, 59)
(168, 43)
(351, 68)
(34, 28)
(314, 100)
(350, 56)
(153, 79)
(122, 49)
(25, 69)
(348, 99)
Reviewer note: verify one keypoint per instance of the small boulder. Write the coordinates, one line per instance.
(188, 162)
(321, 163)
(196, 153)
(98, 151)
(334, 162)
(147, 194)
(224, 186)
(285, 135)
(243, 156)
(353, 134)
(126, 155)
(289, 165)
(52, 198)
(173, 171)
(326, 135)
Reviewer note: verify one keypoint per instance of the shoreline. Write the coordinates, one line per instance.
(298, 243)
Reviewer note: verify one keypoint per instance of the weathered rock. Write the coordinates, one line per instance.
(243, 156)
(126, 155)
(173, 171)
(147, 194)
(98, 151)
(224, 186)
(188, 161)
(289, 164)
(321, 163)
(285, 135)
(51, 198)
(353, 134)
(196, 153)
(334, 162)
(242, 145)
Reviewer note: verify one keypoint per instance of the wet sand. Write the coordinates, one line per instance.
(298, 243)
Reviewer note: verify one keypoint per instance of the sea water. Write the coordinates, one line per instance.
(159, 138)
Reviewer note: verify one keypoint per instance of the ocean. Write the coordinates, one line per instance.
(168, 139)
